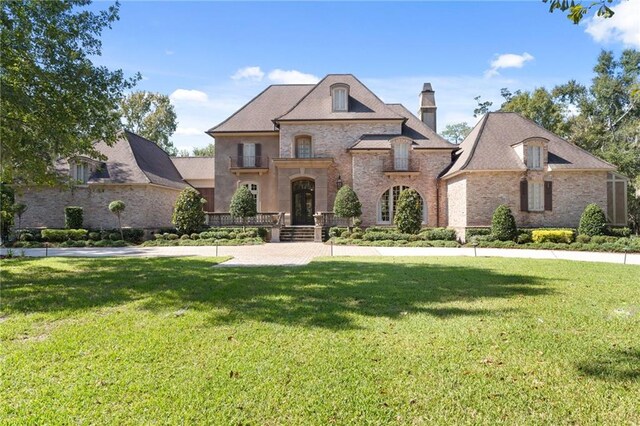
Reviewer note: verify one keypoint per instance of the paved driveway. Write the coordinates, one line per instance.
(303, 253)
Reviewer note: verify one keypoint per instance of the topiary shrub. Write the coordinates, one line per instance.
(503, 224)
(114, 236)
(185, 237)
(26, 236)
(172, 237)
(60, 235)
(441, 234)
(117, 207)
(94, 236)
(73, 217)
(243, 205)
(593, 221)
(347, 204)
(524, 237)
(408, 215)
(621, 232)
(188, 213)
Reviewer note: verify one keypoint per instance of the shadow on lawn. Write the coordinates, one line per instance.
(323, 294)
(619, 364)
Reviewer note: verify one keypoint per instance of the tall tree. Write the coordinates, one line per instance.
(538, 106)
(151, 116)
(55, 101)
(455, 133)
(207, 151)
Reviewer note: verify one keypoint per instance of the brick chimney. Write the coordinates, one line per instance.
(428, 108)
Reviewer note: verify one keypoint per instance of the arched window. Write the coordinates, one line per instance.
(388, 202)
(255, 191)
(303, 147)
(340, 97)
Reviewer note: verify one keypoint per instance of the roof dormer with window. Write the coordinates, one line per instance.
(533, 152)
(340, 97)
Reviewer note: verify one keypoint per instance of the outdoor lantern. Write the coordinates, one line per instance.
(339, 182)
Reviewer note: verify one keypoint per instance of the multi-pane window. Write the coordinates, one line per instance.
(253, 188)
(388, 202)
(534, 157)
(536, 196)
(249, 155)
(303, 147)
(401, 156)
(80, 172)
(616, 199)
(339, 96)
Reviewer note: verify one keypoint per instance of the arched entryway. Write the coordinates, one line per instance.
(303, 201)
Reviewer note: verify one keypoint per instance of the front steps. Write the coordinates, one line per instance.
(296, 233)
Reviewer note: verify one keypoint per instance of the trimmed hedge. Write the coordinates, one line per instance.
(442, 234)
(476, 232)
(73, 217)
(593, 221)
(60, 235)
(552, 236)
(503, 224)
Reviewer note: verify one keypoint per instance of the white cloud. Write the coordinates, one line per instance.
(189, 131)
(185, 95)
(623, 26)
(292, 77)
(169, 52)
(249, 73)
(507, 60)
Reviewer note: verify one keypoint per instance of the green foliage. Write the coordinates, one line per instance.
(7, 198)
(336, 231)
(503, 224)
(151, 116)
(577, 11)
(441, 234)
(188, 214)
(472, 232)
(19, 209)
(619, 231)
(553, 235)
(583, 239)
(347, 203)
(455, 133)
(538, 106)
(408, 214)
(524, 237)
(55, 102)
(243, 205)
(73, 217)
(59, 235)
(593, 221)
(207, 151)
(117, 207)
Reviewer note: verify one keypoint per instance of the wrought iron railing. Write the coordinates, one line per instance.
(248, 162)
(261, 219)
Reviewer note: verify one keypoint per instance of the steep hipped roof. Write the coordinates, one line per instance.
(133, 159)
(421, 134)
(363, 104)
(489, 147)
(195, 167)
(258, 113)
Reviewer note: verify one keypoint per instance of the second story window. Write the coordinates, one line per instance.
(401, 156)
(80, 172)
(534, 157)
(339, 98)
(249, 155)
(303, 147)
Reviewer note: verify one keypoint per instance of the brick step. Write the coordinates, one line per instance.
(297, 234)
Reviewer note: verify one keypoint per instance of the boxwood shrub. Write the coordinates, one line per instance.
(60, 235)
(73, 217)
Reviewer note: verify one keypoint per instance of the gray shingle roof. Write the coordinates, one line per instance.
(258, 113)
(489, 147)
(195, 167)
(363, 104)
(133, 159)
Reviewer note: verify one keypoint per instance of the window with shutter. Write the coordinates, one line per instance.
(536, 200)
(249, 155)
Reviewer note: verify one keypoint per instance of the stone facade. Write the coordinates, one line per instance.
(147, 206)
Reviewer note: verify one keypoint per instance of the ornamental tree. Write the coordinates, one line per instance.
(243, 204)
(188, 214)
(593, 221)
(408, 214)
(347, 203)
(117, 207)
(503, 224)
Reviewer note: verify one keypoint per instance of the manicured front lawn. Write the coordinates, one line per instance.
(344, 341)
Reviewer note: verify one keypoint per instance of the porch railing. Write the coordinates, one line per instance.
(268, 219)
(329, 219)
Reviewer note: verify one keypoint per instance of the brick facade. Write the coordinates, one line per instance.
(147, 206)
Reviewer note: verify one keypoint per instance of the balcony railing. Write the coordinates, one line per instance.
(261, 219)
(248, 162)
(393, 164)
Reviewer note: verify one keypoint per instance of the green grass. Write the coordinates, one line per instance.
(344, 341)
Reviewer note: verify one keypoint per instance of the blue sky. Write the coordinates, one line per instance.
(213, 57)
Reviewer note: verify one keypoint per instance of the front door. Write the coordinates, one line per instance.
(304, 201)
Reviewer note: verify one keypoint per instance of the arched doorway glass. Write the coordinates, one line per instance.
(303, 202)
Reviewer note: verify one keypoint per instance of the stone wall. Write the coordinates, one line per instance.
(572, 192)
(370, 182)
(147, 206)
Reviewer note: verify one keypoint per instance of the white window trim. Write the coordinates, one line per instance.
(86, 171)
(257, 192)
(532, 192)
(531, 163)
(336, 105)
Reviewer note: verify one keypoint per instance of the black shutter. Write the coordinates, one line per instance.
(548, 195)
(240, 155)
(524, 196)
(258, 154)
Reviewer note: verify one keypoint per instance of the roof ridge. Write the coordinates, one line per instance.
(301, 99)
(208, 132)
(475, 142)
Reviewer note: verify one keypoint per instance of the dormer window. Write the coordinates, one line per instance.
(339, 97)
(80, 172)
(401, 156)
(534, 157)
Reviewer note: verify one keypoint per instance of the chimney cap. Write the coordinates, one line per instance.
(427, 87)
